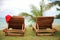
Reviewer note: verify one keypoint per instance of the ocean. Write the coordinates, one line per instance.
(3, 23)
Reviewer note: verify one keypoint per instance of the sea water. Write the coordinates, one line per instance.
(3, 23)
(57, 21)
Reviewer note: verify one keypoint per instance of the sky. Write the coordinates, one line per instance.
(14, 7)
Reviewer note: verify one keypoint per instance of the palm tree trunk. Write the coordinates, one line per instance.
(42, 7)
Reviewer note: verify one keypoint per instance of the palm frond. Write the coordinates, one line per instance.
(32, 18)
(25, 14)
(34, 10)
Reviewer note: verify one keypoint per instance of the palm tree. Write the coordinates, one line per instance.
(32, 17)
(37, 12)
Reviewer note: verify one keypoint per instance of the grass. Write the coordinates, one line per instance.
(30, 35)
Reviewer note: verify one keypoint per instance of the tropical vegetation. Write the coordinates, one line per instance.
(35, 12)
(58, 16)
(48, 6)
(38, 12)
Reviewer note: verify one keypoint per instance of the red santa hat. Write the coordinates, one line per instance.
(8, 17)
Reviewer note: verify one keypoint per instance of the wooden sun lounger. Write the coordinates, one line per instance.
(16, 26)
(44, 26)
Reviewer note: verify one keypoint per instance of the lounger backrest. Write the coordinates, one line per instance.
(45, 22)
(16, 22)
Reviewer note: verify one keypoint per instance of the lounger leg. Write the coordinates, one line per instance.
(36, 34)
(6, 34)
(53, 34)
(33, 29)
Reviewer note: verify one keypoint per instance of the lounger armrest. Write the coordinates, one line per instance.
(5, 30)
(37, 26)
(23, 26)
